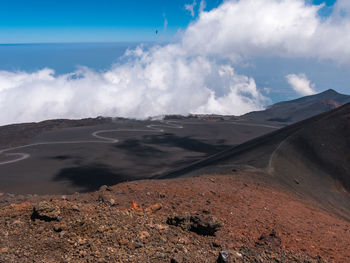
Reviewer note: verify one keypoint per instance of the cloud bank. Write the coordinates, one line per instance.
(193, 75)
(160, 81)
(300, 84)
(286, 28)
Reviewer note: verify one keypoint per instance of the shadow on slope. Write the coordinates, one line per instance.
(310, 158)
(91, 177)
(135, 147)
(151, 145)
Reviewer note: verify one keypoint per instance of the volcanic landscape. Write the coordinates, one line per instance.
(269, 186)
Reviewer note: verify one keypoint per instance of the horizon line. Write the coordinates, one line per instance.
(80, 42)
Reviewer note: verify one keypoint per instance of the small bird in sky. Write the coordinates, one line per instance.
(156, 31)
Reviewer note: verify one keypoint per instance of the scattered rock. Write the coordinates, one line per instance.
(184, 241)
(46, 211)
(216, 245)
(197, 223)
(57, 228)
(62, 234)
(177, 259)
(180, 221)
(81, 241)
(154, 208)
(138, 245)
(4, 250)
(111, 202)
(161, 227)
(98, 232)
(227, 256)
(105, 188)
(271, 240)
(10, 195)
(21, 205)
(204, 225)
(40, 229)
(161, 195)
(224, 257)
(102, 198)
(143, 235)
(75, 208)
(123, 242)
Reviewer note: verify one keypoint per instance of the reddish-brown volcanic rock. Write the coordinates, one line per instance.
(260, 222)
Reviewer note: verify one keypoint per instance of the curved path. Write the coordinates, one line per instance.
(108, 140)
(96, 134)
(270, 169)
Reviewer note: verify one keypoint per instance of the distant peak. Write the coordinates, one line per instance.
(330, 91)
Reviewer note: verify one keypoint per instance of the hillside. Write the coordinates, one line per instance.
(297, 110)
(310, 158)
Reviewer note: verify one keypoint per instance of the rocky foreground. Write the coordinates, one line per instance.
(200, 219)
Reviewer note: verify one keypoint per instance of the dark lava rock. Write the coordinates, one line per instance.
(224, 257)
(102, 198)
(182, 221)
(138, 245)
(177, 259)
(230, 257)
(105, 188)
(46, 211)
(57, 228)
(197, 223)
(296, 181)
(75, 208)
(271, 240)
(204, 225)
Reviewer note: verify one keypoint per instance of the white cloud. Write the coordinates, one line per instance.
(300, 84)
(288, 28)
(190, 7)
(162, 80)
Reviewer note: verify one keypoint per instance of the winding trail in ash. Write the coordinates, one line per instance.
(103, 139)
(159, 128)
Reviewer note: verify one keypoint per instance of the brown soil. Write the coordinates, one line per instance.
(259, 224)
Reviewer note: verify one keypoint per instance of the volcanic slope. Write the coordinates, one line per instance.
(288, 112)
(59, 157)
(310, 158)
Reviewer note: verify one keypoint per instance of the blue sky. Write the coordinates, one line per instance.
(35, 21)
(23, 21)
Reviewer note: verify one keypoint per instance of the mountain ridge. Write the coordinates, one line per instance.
(288, 112)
